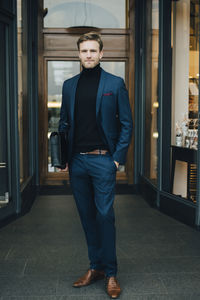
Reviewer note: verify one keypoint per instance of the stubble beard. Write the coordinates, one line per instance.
(90, 65)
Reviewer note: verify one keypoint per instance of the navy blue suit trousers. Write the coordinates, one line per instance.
(93, 179)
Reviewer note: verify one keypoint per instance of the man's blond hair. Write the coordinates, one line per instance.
(90, 36)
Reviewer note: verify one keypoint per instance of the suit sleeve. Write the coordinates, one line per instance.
(126, 128)
(63, 122)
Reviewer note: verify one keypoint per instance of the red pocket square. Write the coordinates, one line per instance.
(107, 94)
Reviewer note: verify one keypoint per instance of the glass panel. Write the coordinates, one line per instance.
(22, 97)
(4, 187)
(116, 68)
(58, 72)
(185, 97)
(151, 104)
(93, 13)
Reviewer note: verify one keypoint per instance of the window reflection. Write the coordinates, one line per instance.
(93, 13)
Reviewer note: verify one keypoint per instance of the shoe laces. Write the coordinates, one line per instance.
(112, 282)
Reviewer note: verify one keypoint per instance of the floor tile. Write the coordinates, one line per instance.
(12, 267)
(174, 265)
(141, 284)
(31, 298)
(28, 286)
(183, 283)
(42, 253)
(195, 296)
(4, 252)
(65, 288)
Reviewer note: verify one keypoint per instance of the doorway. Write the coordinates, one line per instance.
(60, 25)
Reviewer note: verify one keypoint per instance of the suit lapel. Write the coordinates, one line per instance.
(73, 95)
(100, 91)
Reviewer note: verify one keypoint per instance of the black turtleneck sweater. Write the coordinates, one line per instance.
(87, 137)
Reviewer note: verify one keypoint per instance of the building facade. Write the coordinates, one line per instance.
(153, 45)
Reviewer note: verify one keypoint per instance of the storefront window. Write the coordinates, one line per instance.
(22, 96)
(95, 13)
(151, 99)
(185, 97)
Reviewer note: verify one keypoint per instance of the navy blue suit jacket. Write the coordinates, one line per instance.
(113, 114)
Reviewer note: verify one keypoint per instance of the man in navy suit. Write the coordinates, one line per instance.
(95, 110)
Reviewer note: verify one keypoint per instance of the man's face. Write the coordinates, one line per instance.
(90, 54)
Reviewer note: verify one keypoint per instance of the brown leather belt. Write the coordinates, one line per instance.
(96, 152)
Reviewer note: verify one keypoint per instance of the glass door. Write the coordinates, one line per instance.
(59, 61)
(57, 71)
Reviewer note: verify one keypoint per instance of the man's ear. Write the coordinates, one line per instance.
(101, 54)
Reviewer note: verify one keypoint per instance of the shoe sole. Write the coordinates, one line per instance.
(114, 297)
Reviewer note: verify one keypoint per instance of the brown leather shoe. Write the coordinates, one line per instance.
(89, 277)
(113, 287)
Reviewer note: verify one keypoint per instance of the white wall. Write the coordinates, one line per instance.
(180, 81)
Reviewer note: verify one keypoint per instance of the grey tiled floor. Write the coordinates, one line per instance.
(42, 253)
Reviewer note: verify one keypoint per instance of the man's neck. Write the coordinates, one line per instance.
(96, 68)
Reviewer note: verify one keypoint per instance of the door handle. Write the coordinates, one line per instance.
(2, 165)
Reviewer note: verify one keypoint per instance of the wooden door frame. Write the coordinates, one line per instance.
(60, 44)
